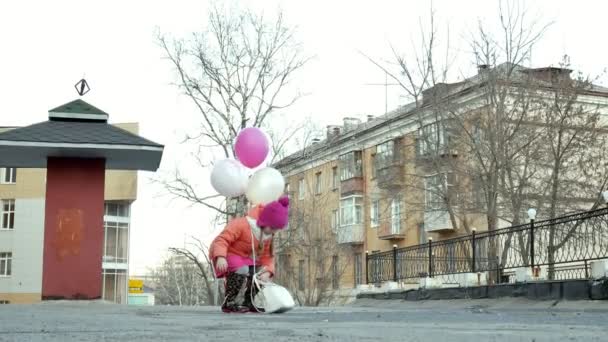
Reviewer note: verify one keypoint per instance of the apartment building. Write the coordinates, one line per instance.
(34, 247)
(398, 179)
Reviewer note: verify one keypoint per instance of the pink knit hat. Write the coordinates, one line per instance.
(275, 214)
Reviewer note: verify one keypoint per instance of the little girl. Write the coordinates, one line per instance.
(233, 255)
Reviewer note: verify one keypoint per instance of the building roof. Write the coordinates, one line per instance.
(75, 132)
(78, 130)
(78, 106)
(405, 111)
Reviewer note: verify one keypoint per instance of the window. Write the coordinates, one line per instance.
(358, 269)
(334, 178)
(301, 280)
(301, 189)
(116, 228)
(8, 175)
(375, 214)
(8, 214)
(396, 215)
(385, 155)
(351, 210)
(433, 138)
(117, 209)
(335, 279)
(335, 220)
(287, 189)
(114, 285)
(6, 259)
(373, 164)
(318, 183)
(351, 165)
(437, 189)
(116, 242)
(4, 302)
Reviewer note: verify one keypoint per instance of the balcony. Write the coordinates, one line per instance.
(437, 221)
(352, 234)
(386, 231)
(352, 186)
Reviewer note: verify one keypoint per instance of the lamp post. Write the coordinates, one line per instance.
(532, 217)
(430, 257)
(473, 249)
(366, 267)
(395, 277)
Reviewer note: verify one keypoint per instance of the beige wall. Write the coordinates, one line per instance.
(122, 185)
(411, 189)
(21, 298)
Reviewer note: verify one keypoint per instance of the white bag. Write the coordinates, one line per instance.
(271, 297)
(274, 298)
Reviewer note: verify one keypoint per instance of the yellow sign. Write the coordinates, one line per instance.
(136, 286)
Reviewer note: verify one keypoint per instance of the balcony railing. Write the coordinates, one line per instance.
(352, 234)
(351, 186)
(437, 221)
(388, 231)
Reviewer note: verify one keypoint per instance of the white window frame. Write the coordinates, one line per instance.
(374, 213)
(396, 215)
(355, 207)
(116, 222)
(6, 258)
(5, 216)
(318, 183)
(433, 197)
(335, 272)
(10, 173)
(301, 189)
(335, 178)
(351, 165)
(431, 138)
(335, 219)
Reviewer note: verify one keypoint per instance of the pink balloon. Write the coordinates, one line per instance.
(251, 147)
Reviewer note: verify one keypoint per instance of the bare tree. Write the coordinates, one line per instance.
(497, 145)
(237, 74)
(177, 283)
(204, 267)
(311, 261)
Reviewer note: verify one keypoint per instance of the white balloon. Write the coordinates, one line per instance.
(229, 178)
(265, 186)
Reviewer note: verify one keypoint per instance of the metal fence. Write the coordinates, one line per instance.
(564, 246)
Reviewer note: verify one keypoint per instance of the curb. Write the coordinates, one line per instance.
(544, 290)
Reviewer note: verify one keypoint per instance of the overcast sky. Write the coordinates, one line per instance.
(46, 46)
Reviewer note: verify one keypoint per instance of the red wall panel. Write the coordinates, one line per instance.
(73, 228)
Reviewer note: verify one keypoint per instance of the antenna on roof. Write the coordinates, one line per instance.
(82, 87)
(385, 85)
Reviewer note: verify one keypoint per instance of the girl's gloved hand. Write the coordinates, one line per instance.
(264, 277)
(221, 264)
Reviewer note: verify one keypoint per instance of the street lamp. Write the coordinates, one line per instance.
(532, 217)
(532, 214)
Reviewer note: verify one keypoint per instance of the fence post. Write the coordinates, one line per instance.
(473, 247)
(395, 263)
(366, 267)
(532, 244)
(430, 257)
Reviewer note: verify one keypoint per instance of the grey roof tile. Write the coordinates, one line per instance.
(76, 132)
